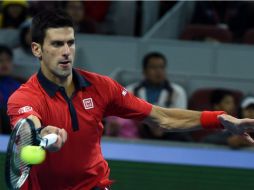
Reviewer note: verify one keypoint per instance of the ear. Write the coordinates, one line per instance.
(36, 49)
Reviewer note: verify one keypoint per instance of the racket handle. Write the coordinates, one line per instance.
(48, 140)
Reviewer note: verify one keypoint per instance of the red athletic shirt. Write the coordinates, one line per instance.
(79, 165)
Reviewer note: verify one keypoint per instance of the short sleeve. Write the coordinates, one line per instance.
(21, 106)
(124, 104)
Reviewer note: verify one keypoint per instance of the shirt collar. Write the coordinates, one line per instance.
(51, 88)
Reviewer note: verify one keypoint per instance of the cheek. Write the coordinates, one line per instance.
(49, 54)
(73, 50)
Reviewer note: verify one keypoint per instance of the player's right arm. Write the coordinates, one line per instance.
(61, 133)
(20, 106)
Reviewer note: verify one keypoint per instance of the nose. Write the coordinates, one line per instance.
(66, 50)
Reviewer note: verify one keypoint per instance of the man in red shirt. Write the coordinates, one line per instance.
(71, 101)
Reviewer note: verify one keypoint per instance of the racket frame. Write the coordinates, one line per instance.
(9, 155)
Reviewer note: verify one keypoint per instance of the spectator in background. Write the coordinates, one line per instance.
(158, 90)
(77, 12)
(23, 54)
(7, 85)
(223, 100)
(247, 107)
(247, 111)
(13, 13)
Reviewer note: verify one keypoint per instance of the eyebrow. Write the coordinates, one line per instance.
(73, 39)
(62, 41)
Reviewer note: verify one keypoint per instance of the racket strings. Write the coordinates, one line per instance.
(23, 138)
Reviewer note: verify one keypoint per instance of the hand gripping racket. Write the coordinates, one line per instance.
(23, 134)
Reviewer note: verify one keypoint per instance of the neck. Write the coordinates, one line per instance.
(66, 82)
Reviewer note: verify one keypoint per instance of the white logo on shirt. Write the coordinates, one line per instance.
(88, 103)
(25, 109)
(124, 92)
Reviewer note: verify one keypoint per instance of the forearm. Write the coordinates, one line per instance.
(36, 121)
(176, 119)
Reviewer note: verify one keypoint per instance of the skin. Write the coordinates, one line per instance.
(248, 113)
(227, 104)
(238, 141)
(155, 72)
(59, 46)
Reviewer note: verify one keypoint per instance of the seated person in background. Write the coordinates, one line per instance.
(7, 85)
(23, 54)
(224, 100)
(247, 107)
(13, 13)
(77, 12)
(158, 90)
(246, 111)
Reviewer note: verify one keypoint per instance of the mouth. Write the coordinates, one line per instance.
(64, 62)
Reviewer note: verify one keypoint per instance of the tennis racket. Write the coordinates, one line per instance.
(24, 134)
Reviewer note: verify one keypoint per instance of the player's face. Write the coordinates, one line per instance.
(155, 71)
(57, 52)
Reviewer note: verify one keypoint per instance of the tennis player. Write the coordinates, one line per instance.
(71, 101)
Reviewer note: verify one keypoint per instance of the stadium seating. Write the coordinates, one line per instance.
(202, 32)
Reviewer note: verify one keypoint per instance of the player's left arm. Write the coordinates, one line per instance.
(176, 119)
(187, 120)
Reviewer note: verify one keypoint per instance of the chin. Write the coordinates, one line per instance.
(63, 74)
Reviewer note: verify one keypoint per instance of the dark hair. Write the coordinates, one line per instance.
(5, 49)
(22, 38)
(49, 19)
(218, 95)
(153, 55)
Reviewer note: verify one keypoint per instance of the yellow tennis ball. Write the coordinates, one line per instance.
(32, 154)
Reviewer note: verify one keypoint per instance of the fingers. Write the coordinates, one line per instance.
(248, 138)
(236, 126)
(61, 137)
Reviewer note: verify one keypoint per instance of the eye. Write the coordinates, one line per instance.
(71, 42)
(57, 43)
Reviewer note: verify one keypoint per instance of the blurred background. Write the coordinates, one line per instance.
(184, 54)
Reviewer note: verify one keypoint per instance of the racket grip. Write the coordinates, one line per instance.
(48, 140)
